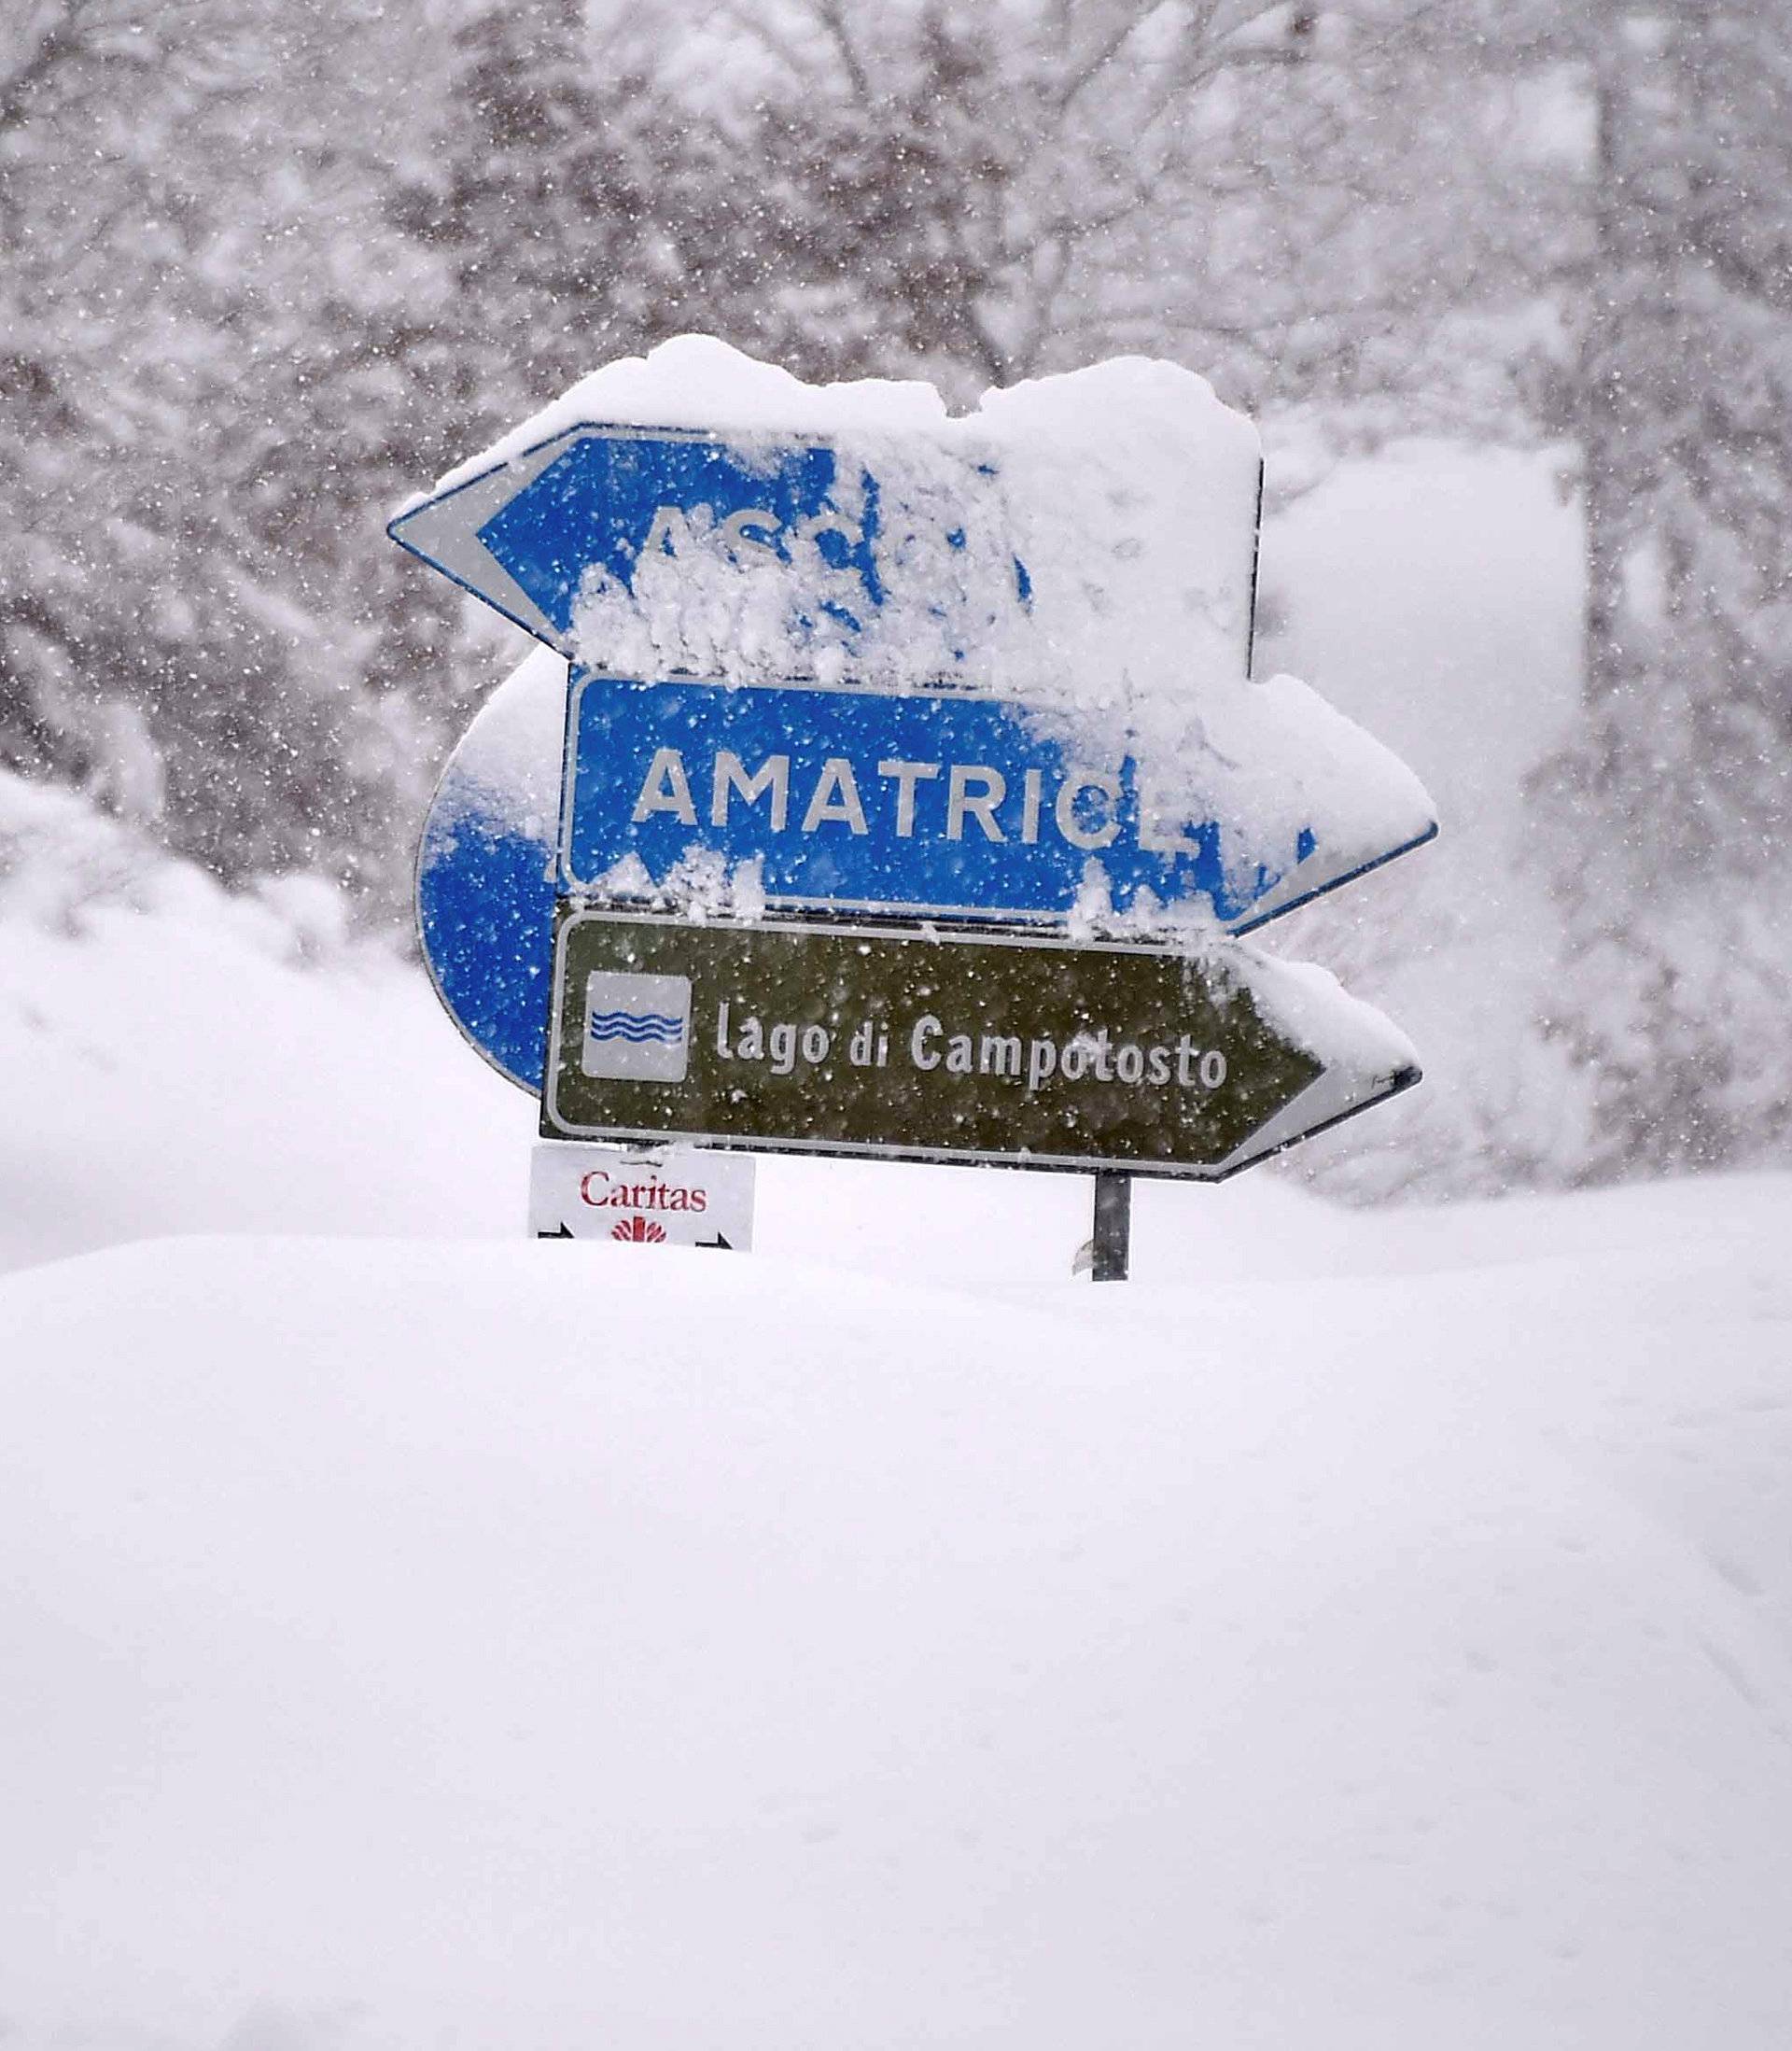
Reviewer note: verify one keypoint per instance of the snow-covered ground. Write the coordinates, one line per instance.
(1362, 1632)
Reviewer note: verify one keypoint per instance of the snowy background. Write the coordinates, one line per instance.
(1367, 1628)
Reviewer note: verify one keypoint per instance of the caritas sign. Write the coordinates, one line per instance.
(672, 1196)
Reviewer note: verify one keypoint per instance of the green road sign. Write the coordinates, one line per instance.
(820, 1039)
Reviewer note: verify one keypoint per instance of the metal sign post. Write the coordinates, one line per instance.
(1110, 1249)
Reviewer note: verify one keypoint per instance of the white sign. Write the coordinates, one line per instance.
(670, 1196)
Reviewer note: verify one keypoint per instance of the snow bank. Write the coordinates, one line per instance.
(184, 1058)
(442, 1645)
(63, 862)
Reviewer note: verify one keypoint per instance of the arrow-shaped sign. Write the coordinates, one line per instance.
(808, 1038)
(593, 541)
(957, 805)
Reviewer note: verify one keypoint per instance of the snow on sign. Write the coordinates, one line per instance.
(604, 530)
(821, 1039)
(944, 804)
(696, 514)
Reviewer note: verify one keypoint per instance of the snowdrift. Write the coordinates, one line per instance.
(425, 1645)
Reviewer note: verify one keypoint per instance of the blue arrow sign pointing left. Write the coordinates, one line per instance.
(529, 535)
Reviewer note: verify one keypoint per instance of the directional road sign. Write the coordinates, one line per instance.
(814, 1038)
(599, 501)
(488, 863)
(918, 804)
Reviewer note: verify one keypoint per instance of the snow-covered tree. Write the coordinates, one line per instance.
(552, 196)
(1624, 294)
(197, 414)
(981, 193)
(91, 427)
(1671, 808)
(971, 192)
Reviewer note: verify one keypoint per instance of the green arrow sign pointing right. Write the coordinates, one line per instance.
(820, 1039)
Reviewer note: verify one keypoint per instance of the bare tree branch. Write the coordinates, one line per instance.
(833, 20)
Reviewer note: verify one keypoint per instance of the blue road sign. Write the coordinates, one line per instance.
(527, 535)
(918, 805)
(485, 870)
(485, 898)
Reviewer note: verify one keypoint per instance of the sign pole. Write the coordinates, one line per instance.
(1113, 1241)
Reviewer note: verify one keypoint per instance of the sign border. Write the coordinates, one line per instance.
(1081, 1164)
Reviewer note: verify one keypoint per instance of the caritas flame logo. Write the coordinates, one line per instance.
(638, 1231)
